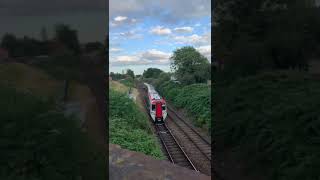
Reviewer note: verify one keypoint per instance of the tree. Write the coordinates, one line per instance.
(152, 73)
(190, 66)
(130, 73)
(163, 77)
(9, 42)
(93, 46)
(257, 35)
(67, 36)
(117, 76)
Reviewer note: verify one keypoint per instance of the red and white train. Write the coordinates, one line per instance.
(156, 105)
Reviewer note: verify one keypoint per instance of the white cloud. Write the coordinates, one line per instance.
(194, 39)
(120, 18)
(149, 57)
(206, 51)
(159, 30)
(126, 58)
(184, 29)
(197, 25)
(154, 54)
(115, 49)
(175, 9)
(130, 35)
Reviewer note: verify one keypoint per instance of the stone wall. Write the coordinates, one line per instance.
(125, 164)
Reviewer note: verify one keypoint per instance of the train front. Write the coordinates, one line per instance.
(159, 113)
(156, 104)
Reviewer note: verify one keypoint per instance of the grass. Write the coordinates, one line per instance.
(129, 127)
(195, 98)
(28, 78)
(38, 142)
(61, 67)
(129, 82)
(273, 120)
(118, 86)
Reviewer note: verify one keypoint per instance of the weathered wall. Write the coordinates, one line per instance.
(125, 164)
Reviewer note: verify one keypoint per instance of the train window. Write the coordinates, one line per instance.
(153, 107)
(163, 108)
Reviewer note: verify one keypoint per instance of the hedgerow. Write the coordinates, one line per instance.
(129, 127)
(273, 119)
(195, 98)
(128, 82)
(38, 142)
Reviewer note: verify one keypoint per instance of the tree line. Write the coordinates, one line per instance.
(256, 35)
(64, 40)
(188, 66)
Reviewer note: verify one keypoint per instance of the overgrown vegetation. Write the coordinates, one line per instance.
(190, 66)
(256, 35)
(195, 98)
(186, 86)
(151, 73)
(39, 142)
(273, 121)
(129, 127)
(65, 41)
(128, 82)
(126, 79)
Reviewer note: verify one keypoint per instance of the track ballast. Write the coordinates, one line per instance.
(175, 152)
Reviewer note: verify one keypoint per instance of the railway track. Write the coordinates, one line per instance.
(198, 140)
(203, 145)
(174, 150)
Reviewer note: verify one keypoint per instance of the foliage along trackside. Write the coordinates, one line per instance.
(129, 127)
(273, 119)
(39, 142)
(195, 98)
(129, 82)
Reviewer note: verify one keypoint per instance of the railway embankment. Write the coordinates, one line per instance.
(268, 127)
(128, 126)
(39, 141)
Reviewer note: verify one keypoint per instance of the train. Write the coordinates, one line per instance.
(156, 105)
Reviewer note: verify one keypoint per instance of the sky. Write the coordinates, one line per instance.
(27, 17)
(144, 33)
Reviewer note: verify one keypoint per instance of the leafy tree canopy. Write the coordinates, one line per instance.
(152, 73)
(190, 66)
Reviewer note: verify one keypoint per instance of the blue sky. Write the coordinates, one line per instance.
(144, 33)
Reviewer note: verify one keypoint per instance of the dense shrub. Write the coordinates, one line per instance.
(128, 82)
(129, 127)
(274, 121)
(195, 98)
(38, 142)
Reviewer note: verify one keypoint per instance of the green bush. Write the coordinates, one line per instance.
(195, 98)
(129, 127)
(128, 82)
(38, 142)
(274, 121)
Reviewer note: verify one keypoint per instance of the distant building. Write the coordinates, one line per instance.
(110, 78)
